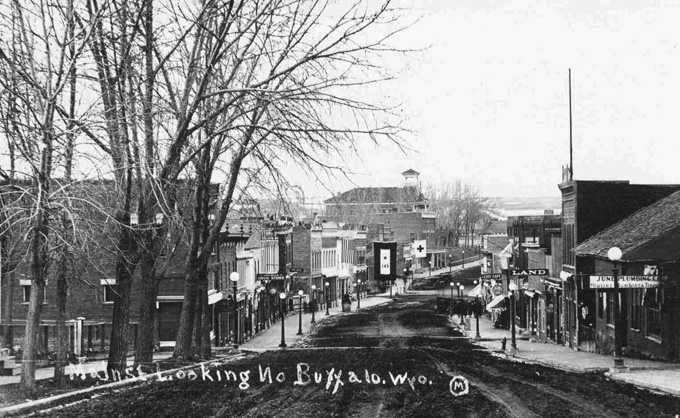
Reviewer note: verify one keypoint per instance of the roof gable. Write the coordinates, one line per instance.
(379, 195)
(637, 235)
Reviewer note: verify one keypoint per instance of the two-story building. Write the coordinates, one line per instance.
(648, 278)
(589, 207)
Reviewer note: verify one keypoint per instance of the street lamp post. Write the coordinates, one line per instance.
(313, 302)
(300, 293)
(477, 310)
(614, 254)
(405, 280)
(234, 279)
(282, 297)
(459, 287)
(460, 290)
(258, 313)
(463, 260)
(358, 293)
(513, 345)
(505, 264)
(327, 290)
(430, 268)
(450, 263)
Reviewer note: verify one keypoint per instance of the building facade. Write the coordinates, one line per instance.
(589, 207)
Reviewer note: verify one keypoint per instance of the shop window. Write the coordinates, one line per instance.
(636, 308)
(601, 303)
(110, 291)
(27, 293)
(610, 308)
(652, 300)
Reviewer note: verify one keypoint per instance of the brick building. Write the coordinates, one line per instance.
(650, 314)
(399, 213)
(589, 207)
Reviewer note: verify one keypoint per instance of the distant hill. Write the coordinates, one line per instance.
(525, 206)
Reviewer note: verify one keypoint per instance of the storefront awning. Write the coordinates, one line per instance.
(496, 303)
(214, 298)
(477, 291)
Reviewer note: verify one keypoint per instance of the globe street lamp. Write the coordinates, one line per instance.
(430, 268)
(513, 345)
(451, 284)
(505, 265)
(463, 260)
(459, 287)
(313, 302)
(272, 312)
(234, 279)
(460, 290)
(477, 309)
(282, 297)
(358, 293)
(326, 296)
(258, 293)
(614, 254)
(300, 293)
(450, 263)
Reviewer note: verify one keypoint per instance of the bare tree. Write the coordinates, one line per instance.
(283, 85)
(35, 64)
(458, 208)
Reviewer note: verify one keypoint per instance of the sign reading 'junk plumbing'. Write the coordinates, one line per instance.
(625, 282)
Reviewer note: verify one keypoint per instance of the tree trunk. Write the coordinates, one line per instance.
(205, 351)
(62, 332)
(30, 354)
(147, 312)
(125, 267)
(198, 316)
(7, 305)
(186, 321)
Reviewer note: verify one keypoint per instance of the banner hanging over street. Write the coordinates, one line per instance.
(385, 260)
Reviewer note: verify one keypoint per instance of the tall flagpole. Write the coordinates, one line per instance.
(571, 144)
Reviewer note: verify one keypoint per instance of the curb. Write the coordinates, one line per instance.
(57, 400)
(624, 377)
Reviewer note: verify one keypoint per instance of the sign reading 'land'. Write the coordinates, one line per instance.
(531, 272)
(625, 282)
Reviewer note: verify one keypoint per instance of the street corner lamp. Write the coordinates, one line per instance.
(282, 297)
(358, 293)
(614, 254)
(463, 260)
(450, 263)
(477, 306)
(314, 302)
(300, 293)
(234, 280)
(326, 293)
(451, 284)
(513, 344)
(459, 287)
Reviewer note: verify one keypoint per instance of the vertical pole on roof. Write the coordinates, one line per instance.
(571, 148)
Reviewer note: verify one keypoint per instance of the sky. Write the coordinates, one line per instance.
(487, 97)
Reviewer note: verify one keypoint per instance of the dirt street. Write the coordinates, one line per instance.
(394, 360)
